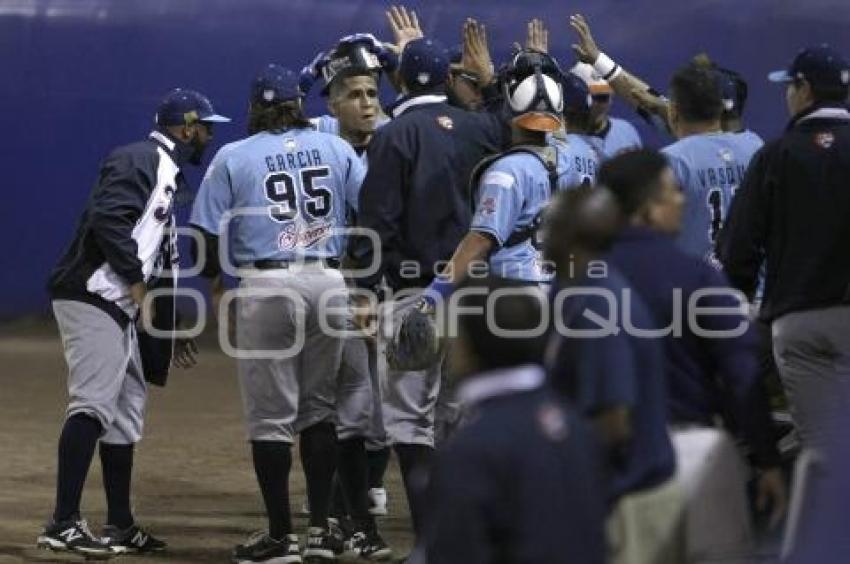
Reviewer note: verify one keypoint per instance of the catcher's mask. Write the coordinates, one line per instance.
(354, 54)
(533, 91)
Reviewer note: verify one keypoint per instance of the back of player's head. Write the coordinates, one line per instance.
(735, 89)
(577, 101)
(633, 178)
(581, 220)
(424, 65)
(502, 323)
(695, 92)
(276, 101)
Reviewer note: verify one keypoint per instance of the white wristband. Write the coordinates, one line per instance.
(606, 68)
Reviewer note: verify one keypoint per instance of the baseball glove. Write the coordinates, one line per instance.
(415, 343)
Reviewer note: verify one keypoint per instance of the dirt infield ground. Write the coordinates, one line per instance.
(193, 484)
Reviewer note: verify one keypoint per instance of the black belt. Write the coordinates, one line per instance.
(271, 264)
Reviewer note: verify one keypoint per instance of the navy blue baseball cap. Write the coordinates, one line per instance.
(820, 66)
(182, 106)
(424, 63)
(576, 94)
(275, 84)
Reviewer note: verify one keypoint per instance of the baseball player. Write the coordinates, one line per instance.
(350, 73)
(578, 159)
(513, 188)
(709, 164)
(123, 244)
(278, 198)
(610, 136)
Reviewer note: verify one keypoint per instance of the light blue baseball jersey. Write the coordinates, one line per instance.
(709, 168)
(289, 191)
(750, 140)
(577, 161)
(618, 137)
(512, 192)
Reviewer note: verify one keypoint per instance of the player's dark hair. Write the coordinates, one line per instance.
(633, 177)
(521, 310)
(277, 116)
(582, 219)
(829, 94)
(741, 91)
(695, 89)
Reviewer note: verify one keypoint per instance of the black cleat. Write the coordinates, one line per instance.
(370, 546)
(260, 547)
(132, 540)
(74, 536)
(321, 546)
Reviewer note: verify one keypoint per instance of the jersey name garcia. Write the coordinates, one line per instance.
(280, 195)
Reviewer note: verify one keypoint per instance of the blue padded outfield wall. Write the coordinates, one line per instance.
(78, 77)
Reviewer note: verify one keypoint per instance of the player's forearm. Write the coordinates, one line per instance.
(639, 95)
(474, 247)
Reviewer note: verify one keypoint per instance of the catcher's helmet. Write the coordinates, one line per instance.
(532, 85)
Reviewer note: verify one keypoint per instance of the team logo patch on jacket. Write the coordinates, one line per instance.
(553, 422)
(825, 139)
(445, 122)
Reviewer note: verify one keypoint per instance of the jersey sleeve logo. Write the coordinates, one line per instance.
(500, 179)
(487, 206)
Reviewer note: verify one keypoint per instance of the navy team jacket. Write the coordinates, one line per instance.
(706, 376)
(521, 483)
(125, 236)
(416, 193)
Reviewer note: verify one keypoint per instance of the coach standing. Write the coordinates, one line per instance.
(124, 243)
(791, 213)
(415, 198)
